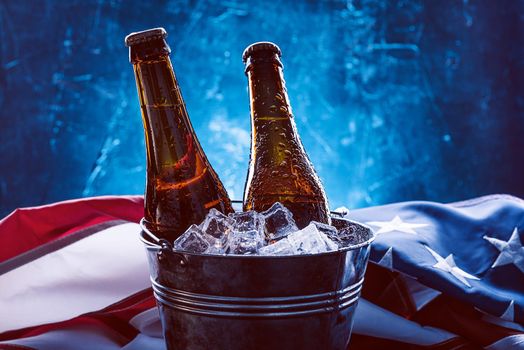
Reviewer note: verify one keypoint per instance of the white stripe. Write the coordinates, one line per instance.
(148, 323)
(513, 342)
(142, 342)
(86, 337)
(85, 276)
(377, 322)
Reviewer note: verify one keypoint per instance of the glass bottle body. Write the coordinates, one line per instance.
(181, 185)
(279, 168)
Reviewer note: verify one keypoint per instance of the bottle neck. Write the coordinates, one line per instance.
(272, 124)
(157, 83)
(148, 50)
(275, 145)
(267, 89)
(168, 131)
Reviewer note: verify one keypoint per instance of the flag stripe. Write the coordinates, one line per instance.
(57, 244)
(77, 336)
(40, 225)
(14, 347)
(107, 267)
(116, 315)
(370, 320)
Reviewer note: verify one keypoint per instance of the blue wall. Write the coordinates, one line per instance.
(394, 100)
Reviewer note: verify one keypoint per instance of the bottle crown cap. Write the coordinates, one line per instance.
(259, 47)
(145, 36)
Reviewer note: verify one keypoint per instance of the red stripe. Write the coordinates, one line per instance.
(114, 317)
(14, 347)
(28, 228)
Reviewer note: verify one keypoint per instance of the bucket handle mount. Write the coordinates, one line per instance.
(166, 248)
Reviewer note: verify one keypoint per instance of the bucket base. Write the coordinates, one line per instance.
(186, 331)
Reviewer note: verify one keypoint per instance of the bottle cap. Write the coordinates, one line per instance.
(260, 47)
(145, 36)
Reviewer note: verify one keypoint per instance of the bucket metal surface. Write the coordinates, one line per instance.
(243, 302)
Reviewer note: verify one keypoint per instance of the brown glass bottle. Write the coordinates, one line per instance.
(279, 168)
(181, 185)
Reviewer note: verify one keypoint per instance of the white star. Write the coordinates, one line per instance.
(449, 265)
(395, 225)
(511, 252)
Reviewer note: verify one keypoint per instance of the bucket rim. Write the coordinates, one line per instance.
(156, 245)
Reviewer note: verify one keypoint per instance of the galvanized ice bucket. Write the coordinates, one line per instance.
(236, 302)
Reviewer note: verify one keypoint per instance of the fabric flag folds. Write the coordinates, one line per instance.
(74, 275)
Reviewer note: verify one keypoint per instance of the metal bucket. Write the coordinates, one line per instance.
(241, 302)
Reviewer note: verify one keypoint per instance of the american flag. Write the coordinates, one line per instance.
(74, 275)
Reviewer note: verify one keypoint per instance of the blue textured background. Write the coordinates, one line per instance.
(394, 100)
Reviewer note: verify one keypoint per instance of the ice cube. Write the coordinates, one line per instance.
(245, 242)
(351, 235)
(279, 221)
(216, 227)
(216, 224)
(247, 221)
(281, 247)
(330, 244)
(192, 241)
(326, 229)
(310, 240)
(217, 246)
(330, 233)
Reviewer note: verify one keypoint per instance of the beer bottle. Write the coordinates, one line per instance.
(279, 168)
(181, 185)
